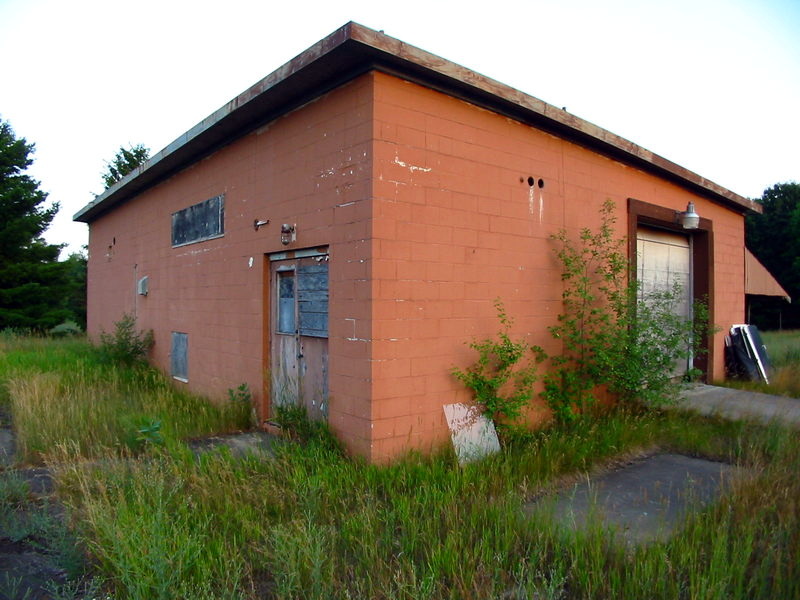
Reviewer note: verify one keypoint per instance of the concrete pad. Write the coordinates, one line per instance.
(240, 444)
(643, 502)
(740, 404)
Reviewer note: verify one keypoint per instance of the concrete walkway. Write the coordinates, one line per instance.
(740, 404)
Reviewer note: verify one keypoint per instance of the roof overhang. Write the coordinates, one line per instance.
(353, 50)
(758, 281)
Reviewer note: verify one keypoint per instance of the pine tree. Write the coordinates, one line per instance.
(32, 280)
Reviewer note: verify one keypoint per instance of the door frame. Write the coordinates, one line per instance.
(701, 242)
(268, 317)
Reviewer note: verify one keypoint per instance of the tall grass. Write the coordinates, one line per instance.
(61, 392)
(314, 524)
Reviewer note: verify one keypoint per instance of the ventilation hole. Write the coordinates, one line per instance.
(114, 240)
(541, 183)
(531, 181)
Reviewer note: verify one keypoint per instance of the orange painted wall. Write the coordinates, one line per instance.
(425, 204)
(311, 167)
(456, 225)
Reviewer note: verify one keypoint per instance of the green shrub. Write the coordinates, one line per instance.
(502, 379)
(126, 345)
(65, 329)
(612, 336)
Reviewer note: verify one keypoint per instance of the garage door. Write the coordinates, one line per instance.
(664, 260)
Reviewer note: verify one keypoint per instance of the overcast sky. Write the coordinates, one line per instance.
(713, 85)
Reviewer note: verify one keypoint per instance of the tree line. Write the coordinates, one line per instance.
(774, 238)
(38, 291)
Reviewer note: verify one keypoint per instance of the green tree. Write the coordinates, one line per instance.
(32, 281)
(774, 237)
(75, 293)
(125, 161)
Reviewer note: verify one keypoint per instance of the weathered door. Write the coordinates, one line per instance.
(664, 264)
(299, 332)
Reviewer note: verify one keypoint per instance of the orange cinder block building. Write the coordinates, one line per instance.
(338, 233)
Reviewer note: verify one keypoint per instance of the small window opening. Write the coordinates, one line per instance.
(179, 356)
(286, 312)
(199, 222)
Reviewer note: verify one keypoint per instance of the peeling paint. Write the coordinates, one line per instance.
(531, 199)
(194, 252)
(410, 167)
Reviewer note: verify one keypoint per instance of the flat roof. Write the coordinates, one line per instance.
(353, 50)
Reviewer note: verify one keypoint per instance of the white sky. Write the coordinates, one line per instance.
(713, 85)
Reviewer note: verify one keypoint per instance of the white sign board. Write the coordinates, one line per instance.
(473, 435)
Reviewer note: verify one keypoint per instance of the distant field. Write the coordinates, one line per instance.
(783, 347)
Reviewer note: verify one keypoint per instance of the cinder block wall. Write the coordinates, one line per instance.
(311, 167)
(425, 203)
(456, 225)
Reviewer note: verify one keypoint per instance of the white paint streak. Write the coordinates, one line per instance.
(541, 206)
(411, 168)
(194, 252)
(344, 203)
(530, 199)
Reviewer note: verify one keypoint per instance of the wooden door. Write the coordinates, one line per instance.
(299, 332)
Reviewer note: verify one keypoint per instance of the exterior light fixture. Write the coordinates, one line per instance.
(257, 224)
(288, 234)
(688, 219)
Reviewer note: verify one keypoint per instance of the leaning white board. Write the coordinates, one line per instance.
(473, 435)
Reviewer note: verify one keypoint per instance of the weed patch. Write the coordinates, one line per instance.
(60, 392)
(312, 523)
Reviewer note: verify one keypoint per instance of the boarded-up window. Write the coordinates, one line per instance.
(179, 357)
(286, 302)
(202, 221)
(312, 299)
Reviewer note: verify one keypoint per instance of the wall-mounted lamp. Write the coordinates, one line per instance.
(688, 219)
(288, 234)
(257, 224)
